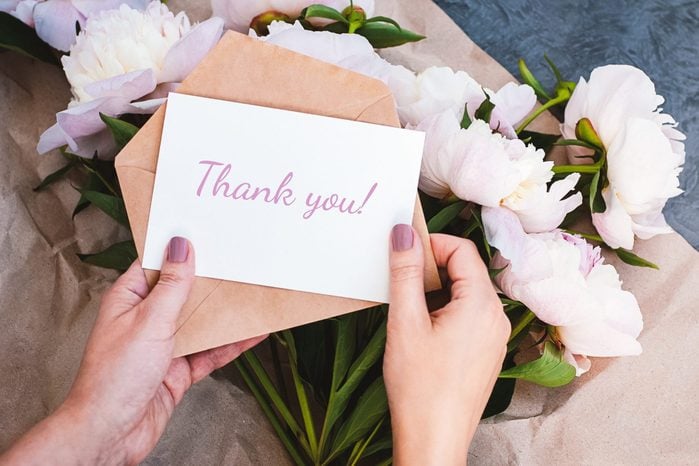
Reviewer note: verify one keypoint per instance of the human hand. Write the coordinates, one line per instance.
(128, 383)
(440, 367)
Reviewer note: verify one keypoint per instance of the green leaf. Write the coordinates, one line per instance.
(55, 176)
(118, 256)
(383, 19)
(271, 416)
(485, 109)
(274, 397)
(121, 130)
(632, 259)
(322, 11)
(554, 68)
(371, 407)
(597, 204)
(528, 78)
(493, 273)
(541, 141)
(550, 370)
(301, 395)
(384, 35)
(466, 120)
(110, 205)
(365, 361)
(445, 216)
(345, 342)
(17, 36)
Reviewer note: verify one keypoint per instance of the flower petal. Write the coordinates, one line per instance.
(55, 23)
(528, 257)
(186, 53)
(129, 86)
(614, 224)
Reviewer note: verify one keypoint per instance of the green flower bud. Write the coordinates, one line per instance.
(260, 23)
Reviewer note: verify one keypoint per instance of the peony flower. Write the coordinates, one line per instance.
(125, 61)
(437, 89)
(21, 9)
(644, 151)
(480, 166)
(239, 14)
(566, 283)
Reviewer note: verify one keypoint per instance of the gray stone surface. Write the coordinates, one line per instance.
(659, 36)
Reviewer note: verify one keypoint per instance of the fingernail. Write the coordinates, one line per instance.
(178, 250)
(402, 237)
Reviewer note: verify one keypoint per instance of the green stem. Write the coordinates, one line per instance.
(590, 236)
(269, 413)
(523, 322)
(101, 178)
(357, 455)
(551, 103)
(585, 168)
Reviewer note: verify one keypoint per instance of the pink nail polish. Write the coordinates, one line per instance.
(178, 250)
(402, 237)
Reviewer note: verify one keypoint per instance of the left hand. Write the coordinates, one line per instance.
(128, 384)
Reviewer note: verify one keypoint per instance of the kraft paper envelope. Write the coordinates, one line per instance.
(246, 70)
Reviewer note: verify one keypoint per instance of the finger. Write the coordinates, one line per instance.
(128, 291)
(205, 362)
(407, 290)
(172, 289)
(464, 265)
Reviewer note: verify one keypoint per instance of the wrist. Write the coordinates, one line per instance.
(86, 434)
(65, 437)
(430, 437)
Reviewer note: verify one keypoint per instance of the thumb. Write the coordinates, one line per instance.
(176, 276)
(407, 271)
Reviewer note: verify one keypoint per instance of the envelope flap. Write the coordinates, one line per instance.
(278, 78)
(247, 70)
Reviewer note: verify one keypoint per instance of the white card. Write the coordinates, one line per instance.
(283, 199)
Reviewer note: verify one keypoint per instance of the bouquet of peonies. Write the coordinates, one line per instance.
(485, 176)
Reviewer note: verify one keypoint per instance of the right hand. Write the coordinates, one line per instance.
(440, 367)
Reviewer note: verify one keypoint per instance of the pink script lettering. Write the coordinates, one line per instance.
(333, 201)
(245, 190)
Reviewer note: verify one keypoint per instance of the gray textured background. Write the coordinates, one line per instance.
(660, 37)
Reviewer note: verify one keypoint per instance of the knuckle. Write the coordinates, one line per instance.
(470, 248)
(406, 272)
(169, 278)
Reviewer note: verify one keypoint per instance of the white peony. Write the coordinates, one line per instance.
(480, 166)
(566, 283)
(644, 151)
(124, 61)
(437, 89)
(239, 14)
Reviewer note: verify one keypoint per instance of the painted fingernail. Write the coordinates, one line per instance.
(402, 237)
(178, 250)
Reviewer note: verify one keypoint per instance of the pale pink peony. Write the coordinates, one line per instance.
(480, 166)
(566, 283)
(125, 61)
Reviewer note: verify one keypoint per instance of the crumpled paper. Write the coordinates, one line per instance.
(635, 410)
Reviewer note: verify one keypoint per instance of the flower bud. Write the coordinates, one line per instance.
(260, 23)
(356, 16)
(586, 132)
